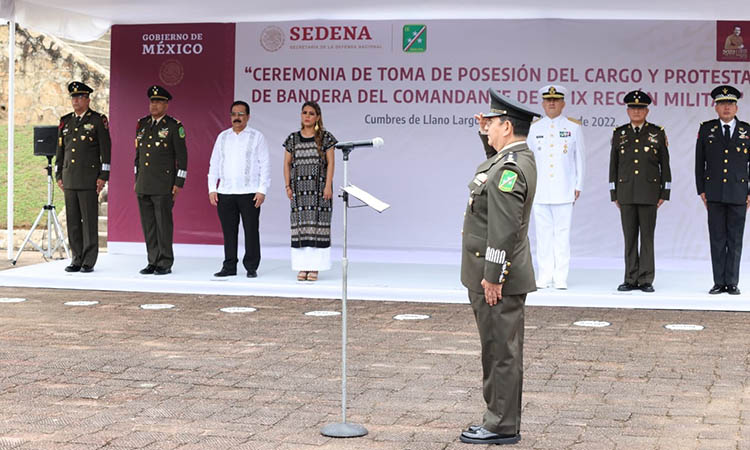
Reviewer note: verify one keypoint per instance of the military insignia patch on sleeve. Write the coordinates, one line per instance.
(181, 132)
(105, 122)
(507, 180)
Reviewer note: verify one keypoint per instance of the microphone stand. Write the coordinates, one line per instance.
(344, 429)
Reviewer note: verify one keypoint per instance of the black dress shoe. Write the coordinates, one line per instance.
(626, 287)
(162, 270)
(86, 269)
(225, 273)
(252, 274)
(717, 289)
(73, 268)
(646, 287)
(733, 290)
(148, 270)
(481, 435)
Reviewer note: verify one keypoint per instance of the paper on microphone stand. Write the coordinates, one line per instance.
(367, 198)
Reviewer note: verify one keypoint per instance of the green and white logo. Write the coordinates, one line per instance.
(415, 38)
(507, 181)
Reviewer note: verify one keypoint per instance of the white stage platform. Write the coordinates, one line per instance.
(683, 285)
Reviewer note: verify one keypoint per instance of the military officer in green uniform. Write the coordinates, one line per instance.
(722, 174)
(82, 169)
(496, 264)
(160, 172)
(639, 182)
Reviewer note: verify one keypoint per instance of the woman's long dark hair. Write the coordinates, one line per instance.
(319, 128)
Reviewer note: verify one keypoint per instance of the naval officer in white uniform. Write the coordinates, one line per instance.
(557, 143)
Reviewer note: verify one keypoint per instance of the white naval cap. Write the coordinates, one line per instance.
(553, 91)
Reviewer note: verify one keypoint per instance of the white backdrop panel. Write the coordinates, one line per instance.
(424, 168)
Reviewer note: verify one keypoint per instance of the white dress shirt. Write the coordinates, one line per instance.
(559, 151)
(731, 126)
(239, 163)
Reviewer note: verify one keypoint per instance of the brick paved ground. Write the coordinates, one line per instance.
(115, 376)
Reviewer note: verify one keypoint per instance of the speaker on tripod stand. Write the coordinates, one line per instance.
(45, 140)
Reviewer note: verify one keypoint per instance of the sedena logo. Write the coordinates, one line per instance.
(272, 38)
(415, 38)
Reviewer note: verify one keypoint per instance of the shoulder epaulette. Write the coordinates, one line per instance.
(536, 119)
(654, 125)
(574, 120)
(510, 158)
(144, 118)
(66, 116)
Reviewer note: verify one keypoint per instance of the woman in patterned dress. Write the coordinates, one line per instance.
(308, 172)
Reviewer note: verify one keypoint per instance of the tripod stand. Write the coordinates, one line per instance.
(49, 208)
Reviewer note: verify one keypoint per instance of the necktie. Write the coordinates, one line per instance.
(726, 132)
(637, 130)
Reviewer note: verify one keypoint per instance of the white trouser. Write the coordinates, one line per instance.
(553, 242)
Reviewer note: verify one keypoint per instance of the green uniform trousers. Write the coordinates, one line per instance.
(156, 220)
(82, 216)
(639, 264)
(501, 334)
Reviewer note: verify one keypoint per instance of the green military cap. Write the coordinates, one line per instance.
(726, 93)
(637, 99)
(76, 88)
(156, 92)
(501, 105)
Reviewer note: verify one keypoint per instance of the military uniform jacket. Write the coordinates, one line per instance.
(559, 151)
(639, 165)
(83, 150)
(495, 244)
(160, 156)
(721, 165)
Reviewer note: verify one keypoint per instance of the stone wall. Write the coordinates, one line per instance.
(44, 67)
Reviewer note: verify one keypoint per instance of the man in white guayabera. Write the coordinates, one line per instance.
(238, 179)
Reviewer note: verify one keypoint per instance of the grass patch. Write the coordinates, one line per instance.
(30, 179)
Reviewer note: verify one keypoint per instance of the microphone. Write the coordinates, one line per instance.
(374, 142)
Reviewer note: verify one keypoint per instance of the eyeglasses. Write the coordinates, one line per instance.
(240, 114)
